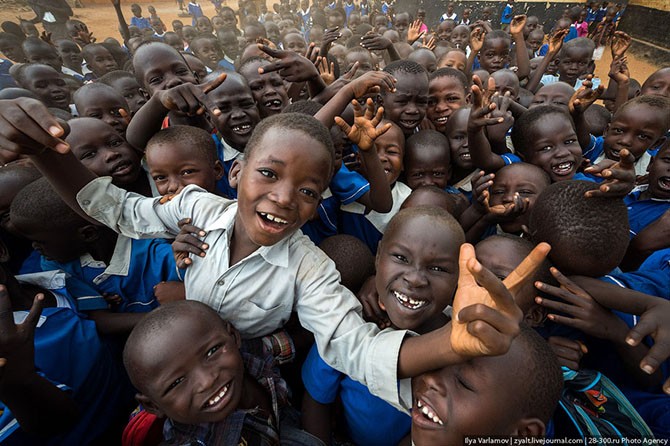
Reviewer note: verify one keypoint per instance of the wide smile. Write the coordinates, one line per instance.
(272, 223)
(409, 123)
(273, 104)
(409, 302)
(218, 400)
(564, 168)
(664, 184)
(424, 415)
(242, 129)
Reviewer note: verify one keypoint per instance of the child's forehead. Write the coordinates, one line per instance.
(42, 72)
(446, 82)
(100, 98)
(577, 52)
(641, 113)
(496, 43)
(232, 85)
(425, 152)
(88, 131)
(394, 135)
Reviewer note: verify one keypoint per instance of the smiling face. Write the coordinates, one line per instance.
(457, 134)
(573, 62)
(208, 51)
(48, 85)
(406, 107)
(460, 36)
(558, 93)
(239, 114)
(427, 165)
(390, 149)
(522, 178)
(268, 89)
(636, 128)
(100, 61)
(659, 174)
(417, 270)
(554, 147)
(175, 166)
(453, 59)
(161, 67)
(464, 399)
(295, 42)
(279, 186)
(446, 94)
(197, 373)
(445, 29)
(103, 151)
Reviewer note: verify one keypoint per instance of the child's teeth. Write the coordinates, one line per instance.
(274, 218)
(429, 414)
(218, 397)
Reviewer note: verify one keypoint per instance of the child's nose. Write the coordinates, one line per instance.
(416, 278)
(174, 186)
(283, 195)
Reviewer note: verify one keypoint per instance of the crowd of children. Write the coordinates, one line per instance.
(332, 223)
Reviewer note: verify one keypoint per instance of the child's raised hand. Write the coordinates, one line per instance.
(477, 39)
(364, 132)
(619, 44)
(191, 99)
(291, 66)
(372, 82)
(505, 211)
(517, 24)
(585, 96)
(480, 183)
(413, 32)
(568, 352)
(329, 36)
(619, 70)
(312, 53)
(187, 242)
(556, 41)
(498, 131)
(429, 43)
(486, 318)
(579, 310)
(654, 322)
(372, 41)
(326, 70)
(17, 342)
(619, 176)
(27, 128)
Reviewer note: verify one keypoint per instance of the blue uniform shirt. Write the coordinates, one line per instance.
(227, 155)
(135, 268)
(641, 213)
(370, 420)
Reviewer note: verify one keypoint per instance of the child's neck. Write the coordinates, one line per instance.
(432, 324)
(254, 395)
(241, 246)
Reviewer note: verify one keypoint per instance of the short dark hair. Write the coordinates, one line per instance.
(597, 118)
(588, 236)
(196, 41)
(578, 43)
(299, 122)
(306, 107)
(440, 215)
(542, 376)
(405, 66)
(523, 125)
(496, 34)
(113, 76)
(427, 137)
(96, 87)
(449, 202)
(353, 259)
(451, 72)
(39, 204)
(183, 135)
(661, 103)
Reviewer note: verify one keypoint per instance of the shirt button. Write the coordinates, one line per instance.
(220, 282)
(86, 202)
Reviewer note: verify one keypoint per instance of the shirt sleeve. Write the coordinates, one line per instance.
(136, 216)
(344, 340)
(510, 158)
(348, 186)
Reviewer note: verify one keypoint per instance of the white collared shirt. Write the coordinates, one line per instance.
(258, 294)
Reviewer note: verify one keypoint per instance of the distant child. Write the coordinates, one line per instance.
(46, 83)
(98, 59)
(658, 83)
(417, 271)
(406, 106)
(462, 166)
(126, 84)
(507, 15)
(454, 58)
(460, 37)
(208, 50)
(137, 20)
(39, 52)
(195, 11)
(268, 89)
(73, 61)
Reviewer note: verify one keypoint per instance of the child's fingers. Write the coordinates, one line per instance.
(568, 308)
(188, 247)
(465, 277)
(496, 289)
(211, 85)
(527, 268)
(35, 312)
(493, 329)
(190, 229)
(566, 283)
(6, 313)
(385, 128)
(28, 123)
(278, 54)
(378, 118)
(346, 128)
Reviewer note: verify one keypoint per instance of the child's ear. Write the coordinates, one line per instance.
(149, 405)
(535, 316)
(468, 97)
(530, 427)
(235, 173)
(89, 233)
(232, 331)
(218, 170)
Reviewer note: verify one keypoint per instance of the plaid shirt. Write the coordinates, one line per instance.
(253, 427)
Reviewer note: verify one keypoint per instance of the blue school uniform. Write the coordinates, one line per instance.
(135, 268)
(227, 155)
(572, 34)
(595, 152)
(140, 22)
(195, 11)
(369, 227)
(507, 15)
(70, 354)
(641, 212)
(346, 186)
(370, 420)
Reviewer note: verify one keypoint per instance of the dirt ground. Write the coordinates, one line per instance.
(101, 20)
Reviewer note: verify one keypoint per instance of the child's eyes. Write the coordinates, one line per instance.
(463, 384)
(267, 173)
(545, 149)
(497, 191)
(87, 155)
(158, 178)
(115, 143)
(188, 171)
(95, 115)
(213, 350)
(400, 257)
(438, 174)
(570, 142)
(417, 174)
(310, 193)
(175, 383)
(155, 80)
(643, 136)
(437, 269)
